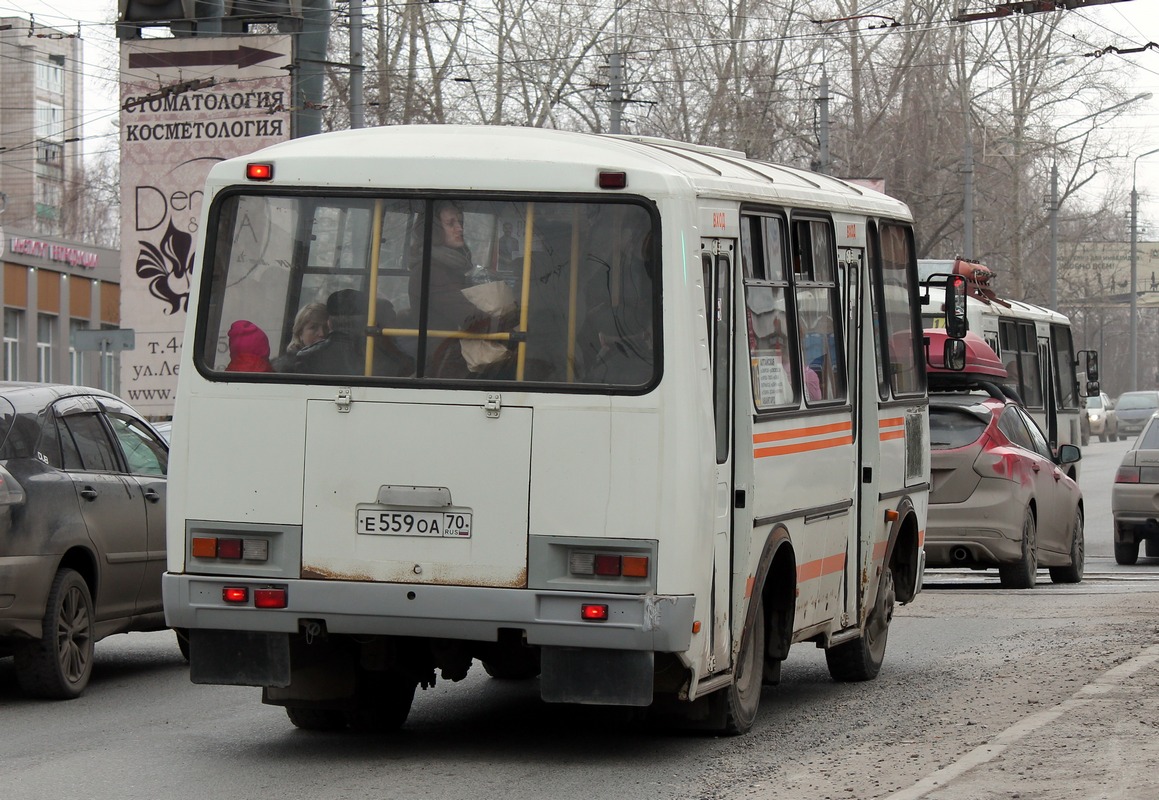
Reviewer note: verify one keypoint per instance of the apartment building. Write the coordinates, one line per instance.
(40, 127)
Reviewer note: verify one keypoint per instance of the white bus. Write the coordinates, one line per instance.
(1034, 344)
(629, 415)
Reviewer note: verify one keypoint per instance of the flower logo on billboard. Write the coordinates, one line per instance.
(168, 268)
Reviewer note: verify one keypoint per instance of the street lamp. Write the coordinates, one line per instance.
(1054, 192)
(1134, 342)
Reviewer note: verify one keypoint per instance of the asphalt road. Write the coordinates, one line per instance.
(985, 693)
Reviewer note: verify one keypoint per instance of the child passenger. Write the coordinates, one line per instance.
(249, 348)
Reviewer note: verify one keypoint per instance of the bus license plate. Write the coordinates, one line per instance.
(378, 522)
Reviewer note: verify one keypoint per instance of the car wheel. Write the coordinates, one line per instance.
(1023, 573)
(861, 658)
(60, 663)
(1151, 548)
(1074, 572)
(742, 698)
(1126, 553)
(1103, 436)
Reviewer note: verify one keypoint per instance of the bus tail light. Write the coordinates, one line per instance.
(235, 594)
(608, 565)
(270, 598)
(594, 612)
(229, 548)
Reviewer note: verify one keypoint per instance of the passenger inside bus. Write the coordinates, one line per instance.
(249, 348)
(343, 351)
(311, 324)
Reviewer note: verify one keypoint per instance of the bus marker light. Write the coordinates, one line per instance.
(613, 180)
(891, 515)
(581, 563)
(608, 565)
(696, 626)
(259, 172)
(235, 594)
(255, 549)
(635, 566)
(594, 612)
(229, 548)
(270, 598)
(203, 547)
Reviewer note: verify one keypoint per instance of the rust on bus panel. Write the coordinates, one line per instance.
(516, 581)
(323, 574)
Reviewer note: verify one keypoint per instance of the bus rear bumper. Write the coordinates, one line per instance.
(650, 622)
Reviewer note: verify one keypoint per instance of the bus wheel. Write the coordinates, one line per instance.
(384, 705)
(742, 698)
(316, 719)
(860, 659)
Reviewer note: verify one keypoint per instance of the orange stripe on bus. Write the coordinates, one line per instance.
(879, 550)
(802, 447)
(891, 422)
(820, 567)
(885, 435)
(799, 433)
(748, 586)
(921, 538)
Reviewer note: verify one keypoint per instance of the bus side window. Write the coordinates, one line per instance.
(819, 311)
(771, 351)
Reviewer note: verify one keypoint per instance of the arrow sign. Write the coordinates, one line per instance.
(240, 57)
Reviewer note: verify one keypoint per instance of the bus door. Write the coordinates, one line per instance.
(849, 266)
(1049, 398)
(716, 257)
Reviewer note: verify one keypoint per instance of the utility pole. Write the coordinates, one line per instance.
(616, 90)
(357, 105)
(1133, 346)
(823, 124)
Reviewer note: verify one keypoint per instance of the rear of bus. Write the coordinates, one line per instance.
(451, 474)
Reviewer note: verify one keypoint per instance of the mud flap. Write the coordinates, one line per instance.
(596, 677)
(239, 658)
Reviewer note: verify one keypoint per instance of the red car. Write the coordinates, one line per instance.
(999, 496)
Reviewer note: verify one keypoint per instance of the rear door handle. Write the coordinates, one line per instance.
(88, 493)
(152, 495)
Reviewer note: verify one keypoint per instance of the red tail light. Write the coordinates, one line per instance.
(235, 594)
(594, 612)
(270, 598)
(1127, 475)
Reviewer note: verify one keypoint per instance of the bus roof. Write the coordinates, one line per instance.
(487, 158)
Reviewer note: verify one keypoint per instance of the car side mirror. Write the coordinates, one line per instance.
(1069, 454)
(954, 354)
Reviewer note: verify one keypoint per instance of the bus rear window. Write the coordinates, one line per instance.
(330, 288)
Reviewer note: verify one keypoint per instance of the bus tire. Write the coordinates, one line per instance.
(1126, 553)
(860, 659)
(316, 719)
(384, 706)
(742, 698)
(1023, 573)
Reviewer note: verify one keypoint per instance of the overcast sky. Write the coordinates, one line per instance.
(1123, 24)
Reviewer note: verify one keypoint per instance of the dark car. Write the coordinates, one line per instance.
(82, 530)
(1133, 409)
